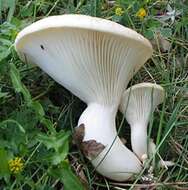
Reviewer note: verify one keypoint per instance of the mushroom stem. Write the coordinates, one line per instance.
(108, 154)
(139, 139)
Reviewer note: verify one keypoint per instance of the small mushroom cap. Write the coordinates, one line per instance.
(92, 57)
(139, 101)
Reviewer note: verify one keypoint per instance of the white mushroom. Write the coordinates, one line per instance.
(95, 59)
(137, 104)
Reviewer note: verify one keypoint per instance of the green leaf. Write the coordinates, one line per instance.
(3, 124)
(61, 138)
(4, 53)
(48, 124)
(16, 81)
(4, 168)
(5, 46)
(58, 143)
(59, 156)
(5, 42)
(54, 141)
(46, 140)
(38, 108)
(17, 84)
(67, 177)
(27, 118)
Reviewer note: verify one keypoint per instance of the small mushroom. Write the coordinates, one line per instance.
(94, 58)
(137, 104)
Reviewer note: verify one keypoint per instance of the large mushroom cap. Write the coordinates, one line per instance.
(92, 57)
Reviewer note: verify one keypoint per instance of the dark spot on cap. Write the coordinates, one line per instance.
(42, 47)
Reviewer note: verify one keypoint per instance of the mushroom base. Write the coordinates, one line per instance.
(112, 158)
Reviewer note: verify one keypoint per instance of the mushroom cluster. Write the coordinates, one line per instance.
(95, 59)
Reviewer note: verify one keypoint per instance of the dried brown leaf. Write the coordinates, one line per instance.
(161, 42)
(92, 148)
(79, 134)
